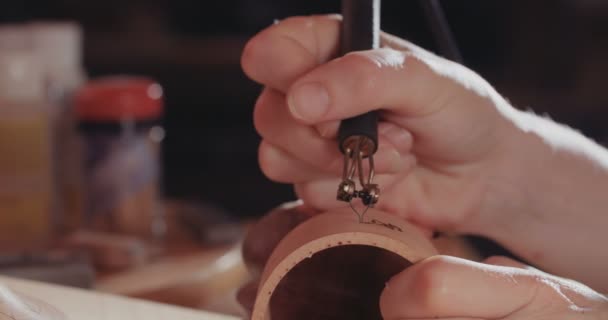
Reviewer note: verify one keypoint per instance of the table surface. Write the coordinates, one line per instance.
(88, 305)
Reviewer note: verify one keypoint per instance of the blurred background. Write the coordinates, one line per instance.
(544, 55)
(189, 107)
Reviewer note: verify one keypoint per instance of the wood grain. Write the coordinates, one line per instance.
(332, 266)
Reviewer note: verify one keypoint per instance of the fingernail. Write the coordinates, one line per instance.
(328, 129)
(308, 102)
(399, 137)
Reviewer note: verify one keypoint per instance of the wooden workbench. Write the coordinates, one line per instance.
(79, 304)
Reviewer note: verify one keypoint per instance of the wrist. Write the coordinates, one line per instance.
(507, 189)
(536, 170)
(547, 170)
(547, 198)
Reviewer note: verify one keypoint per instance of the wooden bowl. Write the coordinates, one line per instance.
(331, 266)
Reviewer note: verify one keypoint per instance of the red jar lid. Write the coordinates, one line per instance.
(116, 98)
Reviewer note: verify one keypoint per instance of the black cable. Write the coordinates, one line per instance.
(441, 30)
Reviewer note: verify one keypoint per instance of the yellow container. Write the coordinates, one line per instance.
(25, 180)
(26, 173)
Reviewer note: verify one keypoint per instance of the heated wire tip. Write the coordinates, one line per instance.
(356, 151)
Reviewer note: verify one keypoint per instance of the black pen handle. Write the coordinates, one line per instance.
(360, 31)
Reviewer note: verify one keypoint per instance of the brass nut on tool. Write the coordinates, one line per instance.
(346, 190)
(370, 194)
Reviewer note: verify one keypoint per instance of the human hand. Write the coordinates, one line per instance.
(444, 287)
(453, 154)
(443, 132)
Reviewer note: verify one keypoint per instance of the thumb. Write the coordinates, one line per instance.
(406, 82)
(449, 287)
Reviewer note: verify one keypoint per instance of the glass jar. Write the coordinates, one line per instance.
(120, 125)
